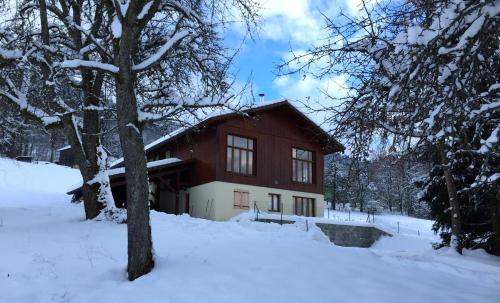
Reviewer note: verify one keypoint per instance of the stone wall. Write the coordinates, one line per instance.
(351, 236)
(343, 235)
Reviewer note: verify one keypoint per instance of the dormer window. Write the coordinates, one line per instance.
(302, 165)
(240, 155)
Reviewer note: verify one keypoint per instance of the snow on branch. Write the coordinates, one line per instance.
(31, 110)
(185, 10)
(10, 54)
(76, 63)
(162, 51)
(145, 10)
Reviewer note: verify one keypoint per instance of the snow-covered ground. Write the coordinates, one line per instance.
(48, 253)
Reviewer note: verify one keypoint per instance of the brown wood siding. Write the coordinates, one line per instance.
(275, 133)
(200, 146)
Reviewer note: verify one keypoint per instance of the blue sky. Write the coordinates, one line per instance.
(287, 23)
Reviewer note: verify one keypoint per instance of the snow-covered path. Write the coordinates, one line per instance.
(50, 254)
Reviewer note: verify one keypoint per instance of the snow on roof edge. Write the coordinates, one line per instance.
(64, 148)
(120, 170)
(212, 115)
(215, 114)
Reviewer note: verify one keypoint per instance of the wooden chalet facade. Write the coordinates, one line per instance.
(271, 156)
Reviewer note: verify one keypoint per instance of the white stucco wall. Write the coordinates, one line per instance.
(215, 200)
(201, 200)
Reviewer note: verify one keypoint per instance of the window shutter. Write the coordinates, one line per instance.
(244, 199)
(237, 198)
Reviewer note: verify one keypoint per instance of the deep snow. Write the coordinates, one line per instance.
(50, 254)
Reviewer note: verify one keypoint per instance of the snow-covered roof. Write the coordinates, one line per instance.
(152, 164)
(210, 116)
(214, 115)
(121, 170)
(64, 148)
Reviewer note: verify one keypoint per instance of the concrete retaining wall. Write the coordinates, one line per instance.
(351, 236)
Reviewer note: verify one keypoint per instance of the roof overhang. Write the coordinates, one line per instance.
(160, 168)
(328, 142)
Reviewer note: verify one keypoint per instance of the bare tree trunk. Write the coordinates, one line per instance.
(91, 142)
(140, 256)
(85, 151)
(89, 192)
(456, 221)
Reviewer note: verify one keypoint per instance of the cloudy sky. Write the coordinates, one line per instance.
(286, 24)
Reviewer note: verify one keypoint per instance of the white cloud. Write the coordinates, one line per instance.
(309, 88)
(301, 21)
(297, 21)
(312, 91)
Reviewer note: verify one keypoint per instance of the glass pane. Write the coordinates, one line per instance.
(236, 161)
(270, 203)
(309, 156)
(294, 153)
(250, 144)
(302, 154)
(250, 163)
(229, 159)
(299, 171)
(306, 172)
(294, 170)
(310, 173)
(229, 140)
(243, 162)
(299, 154)
(240, 142)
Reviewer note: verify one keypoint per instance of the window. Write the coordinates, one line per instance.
(240, 155)
(302, 165)
(168, 154)
(274, 202)
(303, 206)
(241, 199)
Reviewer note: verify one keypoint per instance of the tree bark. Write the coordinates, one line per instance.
(140, 257)
(456, 221)
(90, 192)
(84, 150)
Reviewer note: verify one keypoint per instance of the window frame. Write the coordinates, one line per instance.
(247, 151)
(310, 209)
(271, 203)
(312, 162)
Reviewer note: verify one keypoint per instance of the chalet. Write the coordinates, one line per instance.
(270, 157)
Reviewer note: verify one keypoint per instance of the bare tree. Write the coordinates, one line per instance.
(167, 60)
(421, 73)
(57, 99)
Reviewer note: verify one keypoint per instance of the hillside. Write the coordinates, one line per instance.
(47, 245)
